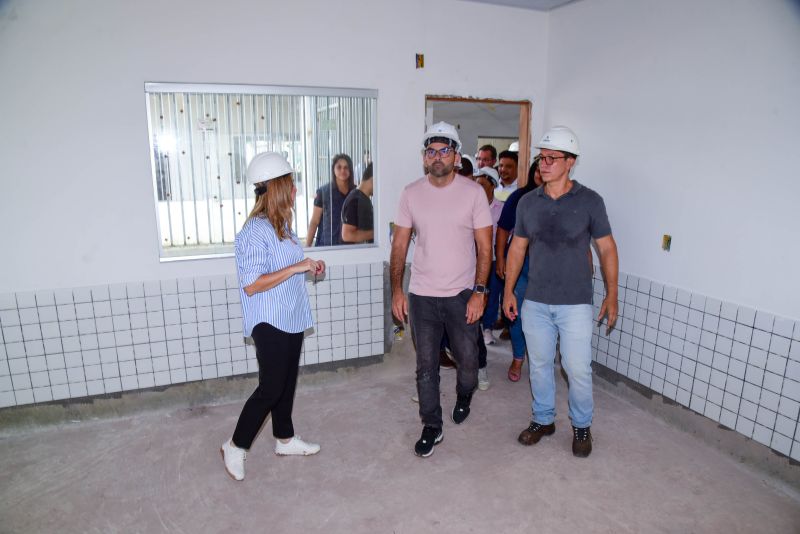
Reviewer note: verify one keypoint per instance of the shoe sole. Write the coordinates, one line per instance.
(222, 453)
(483, 387)
(296, 454)
(435, 443)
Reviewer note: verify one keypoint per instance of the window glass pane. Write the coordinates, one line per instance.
(203, 137)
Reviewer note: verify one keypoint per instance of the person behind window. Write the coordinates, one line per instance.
(357, 223)
(275, 310)
(326, 219)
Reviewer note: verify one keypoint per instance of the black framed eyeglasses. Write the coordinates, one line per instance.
(549, 159)
(443, 152)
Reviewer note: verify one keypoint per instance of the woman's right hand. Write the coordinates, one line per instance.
(307, 264)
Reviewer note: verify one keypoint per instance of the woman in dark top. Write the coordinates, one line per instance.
(505, 230)
(326, 219)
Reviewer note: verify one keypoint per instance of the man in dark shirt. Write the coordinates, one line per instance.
(357, 223)
(555, 224)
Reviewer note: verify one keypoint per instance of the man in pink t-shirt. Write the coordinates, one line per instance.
(448, 278)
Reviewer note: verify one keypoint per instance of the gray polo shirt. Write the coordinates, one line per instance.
(560, 232)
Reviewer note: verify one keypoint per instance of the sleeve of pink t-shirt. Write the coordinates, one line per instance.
(404, 218)
(481, 216)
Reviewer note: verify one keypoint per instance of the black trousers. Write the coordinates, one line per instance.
(429, 318)
(278, 355)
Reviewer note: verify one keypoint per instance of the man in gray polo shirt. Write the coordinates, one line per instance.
(555, 224)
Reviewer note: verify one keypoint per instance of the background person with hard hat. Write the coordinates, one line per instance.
(505, 229)
(507, 184)
(555, 225)
(448, 279)
(467, 167)
(275, 309)
(490, 314)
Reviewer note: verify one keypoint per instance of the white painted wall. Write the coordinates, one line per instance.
(76, 198)
(687, 113)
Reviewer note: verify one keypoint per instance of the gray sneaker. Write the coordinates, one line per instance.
(483, 379)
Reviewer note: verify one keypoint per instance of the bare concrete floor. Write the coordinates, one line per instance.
(162, 471)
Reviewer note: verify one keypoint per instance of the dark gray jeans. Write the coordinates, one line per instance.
(429, 316)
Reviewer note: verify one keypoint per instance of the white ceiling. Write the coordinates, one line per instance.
(537, 5)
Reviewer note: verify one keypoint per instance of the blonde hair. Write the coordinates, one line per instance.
(276, 204)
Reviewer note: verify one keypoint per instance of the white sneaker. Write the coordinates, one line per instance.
(234, 458)
(483, 379)
(295, 447)
(488, 337)
(415, 397)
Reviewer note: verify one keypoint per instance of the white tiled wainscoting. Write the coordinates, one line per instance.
(71, 343)
(735, 365)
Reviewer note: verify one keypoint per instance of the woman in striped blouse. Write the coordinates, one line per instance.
(275, 309)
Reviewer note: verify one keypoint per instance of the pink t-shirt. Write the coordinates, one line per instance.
(445, 219)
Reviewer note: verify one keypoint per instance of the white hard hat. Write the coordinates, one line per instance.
(560, 138)
(514, 147)
(442, 129)
(471, 160)
(490, 172)
(266, 166)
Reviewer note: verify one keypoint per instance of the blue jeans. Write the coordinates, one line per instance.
(515, 327)
(492, 310)
(428, 318)
(543, 324)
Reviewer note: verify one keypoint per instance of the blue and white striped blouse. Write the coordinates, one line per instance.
(259, 251)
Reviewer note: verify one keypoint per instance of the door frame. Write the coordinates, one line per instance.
(525, 109)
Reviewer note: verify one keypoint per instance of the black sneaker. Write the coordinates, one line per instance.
(430, 437)
(581, 442)
(461, 409)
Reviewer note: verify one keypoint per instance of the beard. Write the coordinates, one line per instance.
(439, 169)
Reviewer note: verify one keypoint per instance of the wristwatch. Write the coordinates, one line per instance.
(479, 288)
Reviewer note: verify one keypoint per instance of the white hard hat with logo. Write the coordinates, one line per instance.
(514, 147)
(560, 138)
(444, 131)
(266, 166)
